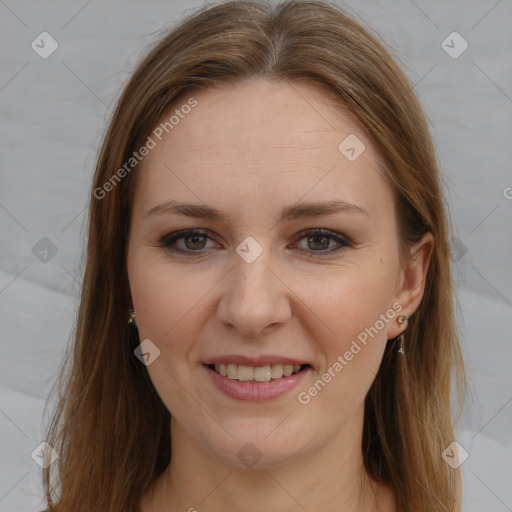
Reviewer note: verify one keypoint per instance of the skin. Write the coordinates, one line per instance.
(251, 149)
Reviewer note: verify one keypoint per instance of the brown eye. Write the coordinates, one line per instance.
(193, 242)
(319, 242)
(316, 242)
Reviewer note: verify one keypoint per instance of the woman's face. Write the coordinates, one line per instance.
(250, 286)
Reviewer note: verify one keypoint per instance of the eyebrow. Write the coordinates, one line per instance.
(289, 213)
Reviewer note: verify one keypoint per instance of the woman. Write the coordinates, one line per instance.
(266, 317)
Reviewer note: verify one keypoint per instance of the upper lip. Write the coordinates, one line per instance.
(253, 361)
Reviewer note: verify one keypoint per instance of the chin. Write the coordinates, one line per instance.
(254, 448)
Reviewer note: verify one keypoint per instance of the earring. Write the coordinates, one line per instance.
(401, 320)
(131, 320)
(401, 349)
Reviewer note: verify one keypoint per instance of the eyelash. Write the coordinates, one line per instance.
(166, 241)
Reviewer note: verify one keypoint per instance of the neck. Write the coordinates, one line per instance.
(326, 478)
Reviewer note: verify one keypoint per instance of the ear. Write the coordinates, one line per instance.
(411, 282)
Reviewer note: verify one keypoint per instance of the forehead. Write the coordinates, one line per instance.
(261, 140)
(274, 115)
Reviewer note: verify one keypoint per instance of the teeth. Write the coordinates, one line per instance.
(276, 371)
(245, 373)
(232, 371)
(261, 374)
(258, 373)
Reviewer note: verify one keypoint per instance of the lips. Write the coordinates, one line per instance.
(261, 378)
(254, 390)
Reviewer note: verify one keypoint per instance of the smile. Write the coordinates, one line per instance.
(256, 373)
(255, 383)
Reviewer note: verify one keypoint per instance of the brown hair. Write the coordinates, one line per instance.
(110, 427)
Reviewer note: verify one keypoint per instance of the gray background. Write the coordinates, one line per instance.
(54, 112)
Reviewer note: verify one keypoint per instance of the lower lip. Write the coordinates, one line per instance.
(255, 391)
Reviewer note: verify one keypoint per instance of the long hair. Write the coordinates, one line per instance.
(110, 427)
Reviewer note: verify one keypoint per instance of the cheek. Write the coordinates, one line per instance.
(350, 302)
(163, 294)
(168, 306)
(354, 303)
(352, 356)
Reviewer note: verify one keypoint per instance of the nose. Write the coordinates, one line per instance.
(254, 299)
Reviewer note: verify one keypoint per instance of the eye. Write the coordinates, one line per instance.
(194, 241)
(319, 240)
